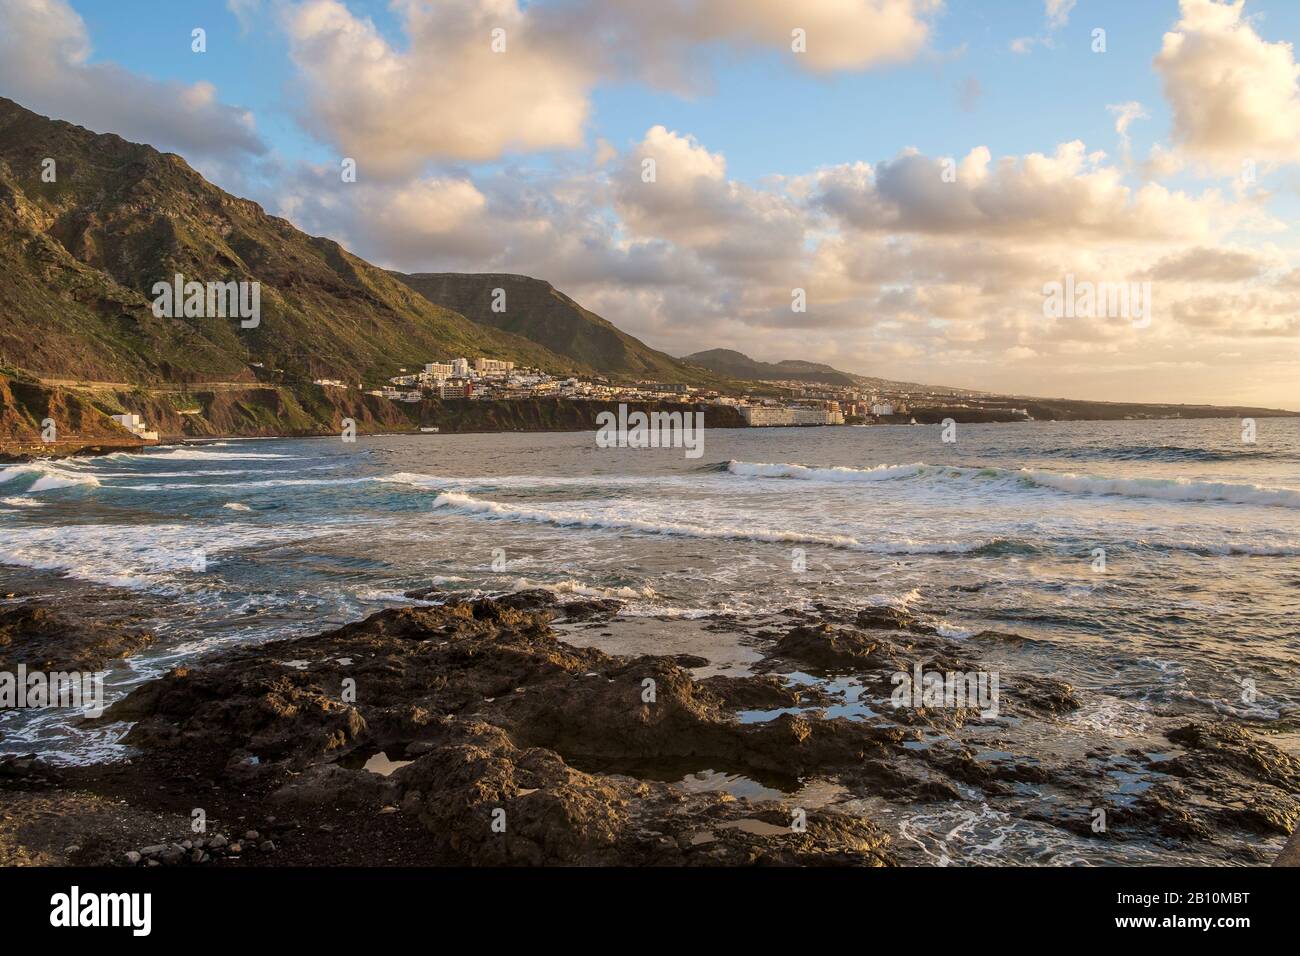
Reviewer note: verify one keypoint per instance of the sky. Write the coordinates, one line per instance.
(902, 188)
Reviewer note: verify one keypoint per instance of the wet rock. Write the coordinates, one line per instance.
(828, 647)
(491, 707)
(767, 692)
(46, 639)
(431, 593)
(532, 599)
(526, 750)
(1235, 747)
(891, 618)
(278, 714)
(1044, 694)
(594, 609)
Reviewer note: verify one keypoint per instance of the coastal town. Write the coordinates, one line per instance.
(780, 404)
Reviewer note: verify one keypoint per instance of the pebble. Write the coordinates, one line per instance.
(133, 857)
(251, 836)
(172, 855)
(267, 847)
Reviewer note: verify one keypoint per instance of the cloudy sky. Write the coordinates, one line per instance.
(922, 169)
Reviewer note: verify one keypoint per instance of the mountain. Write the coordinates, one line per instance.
(740, 366)
(79, 257)
(536, 310)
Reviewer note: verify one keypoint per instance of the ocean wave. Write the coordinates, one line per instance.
(1159, 453)
(16, 502)
(746, 469)
(1168, 489)
(1234, 548)
(142, 557)
(245, 485)
(195, 454)
(465, 504)
(48, 478)
(435, 482)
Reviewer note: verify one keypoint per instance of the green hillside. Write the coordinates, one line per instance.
(79, 257)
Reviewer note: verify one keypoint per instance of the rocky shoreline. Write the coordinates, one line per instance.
(472, 732)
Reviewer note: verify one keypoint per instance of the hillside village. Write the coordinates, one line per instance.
(486, 379)
(777, 403)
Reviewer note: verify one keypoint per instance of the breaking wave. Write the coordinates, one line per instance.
(1167, 489)
(48, 477)
(466, 504)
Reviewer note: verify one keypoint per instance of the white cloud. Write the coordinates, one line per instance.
(1125, 115)
(45, 66)
(1058, 13)
(1039, 199)
(449, 95)
(1234, 95)
(445, 94)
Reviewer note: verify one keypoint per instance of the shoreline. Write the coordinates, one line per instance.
(28, 452)
(475, 711)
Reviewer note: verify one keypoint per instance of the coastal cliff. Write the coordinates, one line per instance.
(266, 410)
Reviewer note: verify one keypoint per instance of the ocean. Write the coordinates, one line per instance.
(1154, 565)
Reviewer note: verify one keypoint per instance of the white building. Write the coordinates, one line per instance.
(882, 408)
(762, 416)
(438, 370)
(486, 366)
(135, 425)
(460, 368)
(766, 416)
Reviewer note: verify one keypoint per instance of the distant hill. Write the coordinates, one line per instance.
(536, 310)
(79, 257)
(735, 364)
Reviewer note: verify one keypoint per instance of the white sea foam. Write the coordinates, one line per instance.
(746, 469)
(139, 556)
(570, 586)
(16, 502)
(1169, 489)
(466, 504)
